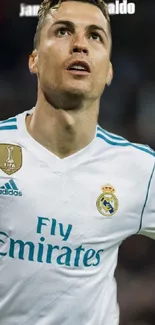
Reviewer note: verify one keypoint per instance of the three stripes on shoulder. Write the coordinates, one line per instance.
(116, 140)
(9, 124)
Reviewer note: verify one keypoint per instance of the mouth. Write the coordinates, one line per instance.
(79, 68)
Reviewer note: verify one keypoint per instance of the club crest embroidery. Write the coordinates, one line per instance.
(10, 158)
(107, 202)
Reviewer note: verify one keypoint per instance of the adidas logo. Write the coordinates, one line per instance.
(10, 188)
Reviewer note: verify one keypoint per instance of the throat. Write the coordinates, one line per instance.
(67, 141)
(60, 136)
(61, 132)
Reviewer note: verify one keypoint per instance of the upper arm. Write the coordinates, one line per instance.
(147, 226)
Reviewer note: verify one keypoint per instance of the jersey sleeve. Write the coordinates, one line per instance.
(147, 223)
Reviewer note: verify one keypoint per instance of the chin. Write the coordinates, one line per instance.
(69, 98)
(77, 89)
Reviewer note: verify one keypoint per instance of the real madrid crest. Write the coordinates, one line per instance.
(107, 202)
(10, 158)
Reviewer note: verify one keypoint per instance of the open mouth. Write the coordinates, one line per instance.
(79, 67)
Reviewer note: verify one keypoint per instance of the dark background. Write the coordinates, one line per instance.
(127, 108)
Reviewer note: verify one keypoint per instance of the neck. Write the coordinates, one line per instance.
(63, 132)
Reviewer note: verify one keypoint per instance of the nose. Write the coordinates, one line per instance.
(79, 45)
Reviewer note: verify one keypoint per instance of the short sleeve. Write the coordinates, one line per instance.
(147, 223)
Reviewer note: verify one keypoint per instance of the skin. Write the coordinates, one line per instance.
(67, 108)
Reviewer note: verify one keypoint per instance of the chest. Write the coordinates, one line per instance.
(86, 204)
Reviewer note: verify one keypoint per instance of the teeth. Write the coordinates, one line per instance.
(77, 67)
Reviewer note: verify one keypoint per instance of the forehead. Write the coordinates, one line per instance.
(79, 13)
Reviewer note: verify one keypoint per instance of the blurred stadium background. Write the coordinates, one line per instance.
(127, 108)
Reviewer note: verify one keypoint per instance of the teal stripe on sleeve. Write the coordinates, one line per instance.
(10, 120)
(125, 144)
(115, 137)
(8, 127)
(145, 202)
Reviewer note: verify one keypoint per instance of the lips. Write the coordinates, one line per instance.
(84, 66)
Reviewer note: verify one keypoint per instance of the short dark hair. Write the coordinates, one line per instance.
(46, 5)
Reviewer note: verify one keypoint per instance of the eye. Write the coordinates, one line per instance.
(96, 36)
(62, 31)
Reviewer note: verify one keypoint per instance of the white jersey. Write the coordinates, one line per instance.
(62, 222)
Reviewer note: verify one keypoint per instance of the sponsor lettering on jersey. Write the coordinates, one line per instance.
(44, 251)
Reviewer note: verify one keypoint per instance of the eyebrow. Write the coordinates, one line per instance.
(71, 25)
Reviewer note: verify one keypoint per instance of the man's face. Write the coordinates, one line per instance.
(77, 33)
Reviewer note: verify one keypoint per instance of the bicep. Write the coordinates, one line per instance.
(148, 216)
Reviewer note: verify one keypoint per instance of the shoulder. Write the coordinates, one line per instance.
(134, 157)
(8, 127)
(117, 141)
(11, 129)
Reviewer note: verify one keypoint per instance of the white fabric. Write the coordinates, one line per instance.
(58, 252)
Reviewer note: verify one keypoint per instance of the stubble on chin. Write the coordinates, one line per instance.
(64, 99)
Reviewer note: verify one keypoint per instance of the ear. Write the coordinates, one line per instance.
(33, 60)
(109, 75)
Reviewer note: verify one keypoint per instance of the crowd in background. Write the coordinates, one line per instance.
(127, 108)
